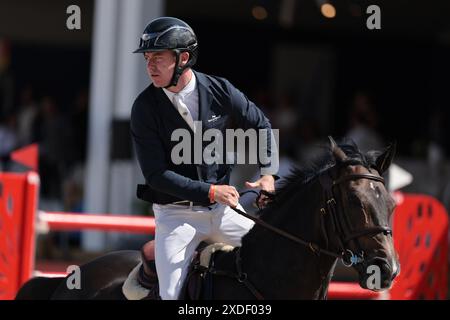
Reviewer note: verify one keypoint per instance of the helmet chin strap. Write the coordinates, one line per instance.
(178, 70)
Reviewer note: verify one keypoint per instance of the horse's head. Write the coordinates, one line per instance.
(357, 212)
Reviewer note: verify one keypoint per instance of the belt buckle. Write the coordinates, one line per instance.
(184, 202)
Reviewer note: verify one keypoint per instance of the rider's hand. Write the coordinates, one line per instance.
(266, 183)
(226, 195)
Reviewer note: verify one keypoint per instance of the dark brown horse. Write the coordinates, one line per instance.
(338, 208)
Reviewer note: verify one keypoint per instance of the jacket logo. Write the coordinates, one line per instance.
(214, 118)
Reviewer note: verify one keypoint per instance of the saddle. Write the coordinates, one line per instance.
(198, 282)
(142, 282)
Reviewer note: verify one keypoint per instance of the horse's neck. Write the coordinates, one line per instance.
(280, 267)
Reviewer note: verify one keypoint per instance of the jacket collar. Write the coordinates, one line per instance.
(204, 99)
(189, 88)
(204, 96)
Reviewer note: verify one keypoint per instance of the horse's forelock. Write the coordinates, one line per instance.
(350, 148)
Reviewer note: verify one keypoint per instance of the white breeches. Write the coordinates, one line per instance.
(180, 229)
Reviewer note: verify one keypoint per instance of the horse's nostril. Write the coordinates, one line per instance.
(386, 284)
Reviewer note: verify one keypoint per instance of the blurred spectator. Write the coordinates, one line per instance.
(6, 79)
(8, 140)
(435, 148)
(79, 121)
(73, 190)
(308, 140)
(286, 115)
(285, 118)
(437, 128)
(27, 113)
(52, 132)
(261, 97)
(364, 123)
(73, 202)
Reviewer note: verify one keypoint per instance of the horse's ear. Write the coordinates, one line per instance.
(333, 143)
(384, 160)
(338, 153)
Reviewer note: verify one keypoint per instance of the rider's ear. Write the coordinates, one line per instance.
(338, 153)
(384, 160)
(184, 58)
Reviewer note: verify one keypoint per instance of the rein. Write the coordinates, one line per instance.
(314, 247)
(330, 202)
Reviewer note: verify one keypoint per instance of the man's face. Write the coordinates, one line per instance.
(160, 67)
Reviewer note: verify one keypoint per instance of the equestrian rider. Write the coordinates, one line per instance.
(191, 201)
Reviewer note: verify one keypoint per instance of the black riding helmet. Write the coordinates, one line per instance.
(167, 33)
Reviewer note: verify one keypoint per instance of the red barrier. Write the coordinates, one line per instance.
(58, 221)
(421, 240)
(18, 202)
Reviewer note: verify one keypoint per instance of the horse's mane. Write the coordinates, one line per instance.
(301, 175)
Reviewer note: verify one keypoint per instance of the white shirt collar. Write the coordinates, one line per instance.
(188, 89)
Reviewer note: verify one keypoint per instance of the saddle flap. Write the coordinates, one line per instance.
(198, 282)
(131, 288)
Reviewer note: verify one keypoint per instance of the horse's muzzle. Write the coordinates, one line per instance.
(377, 274)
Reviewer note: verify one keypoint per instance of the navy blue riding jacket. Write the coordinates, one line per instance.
(154, 118)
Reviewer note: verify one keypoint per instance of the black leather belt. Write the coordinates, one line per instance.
(188, 203)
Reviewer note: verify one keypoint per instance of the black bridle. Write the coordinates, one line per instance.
(340, 221)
